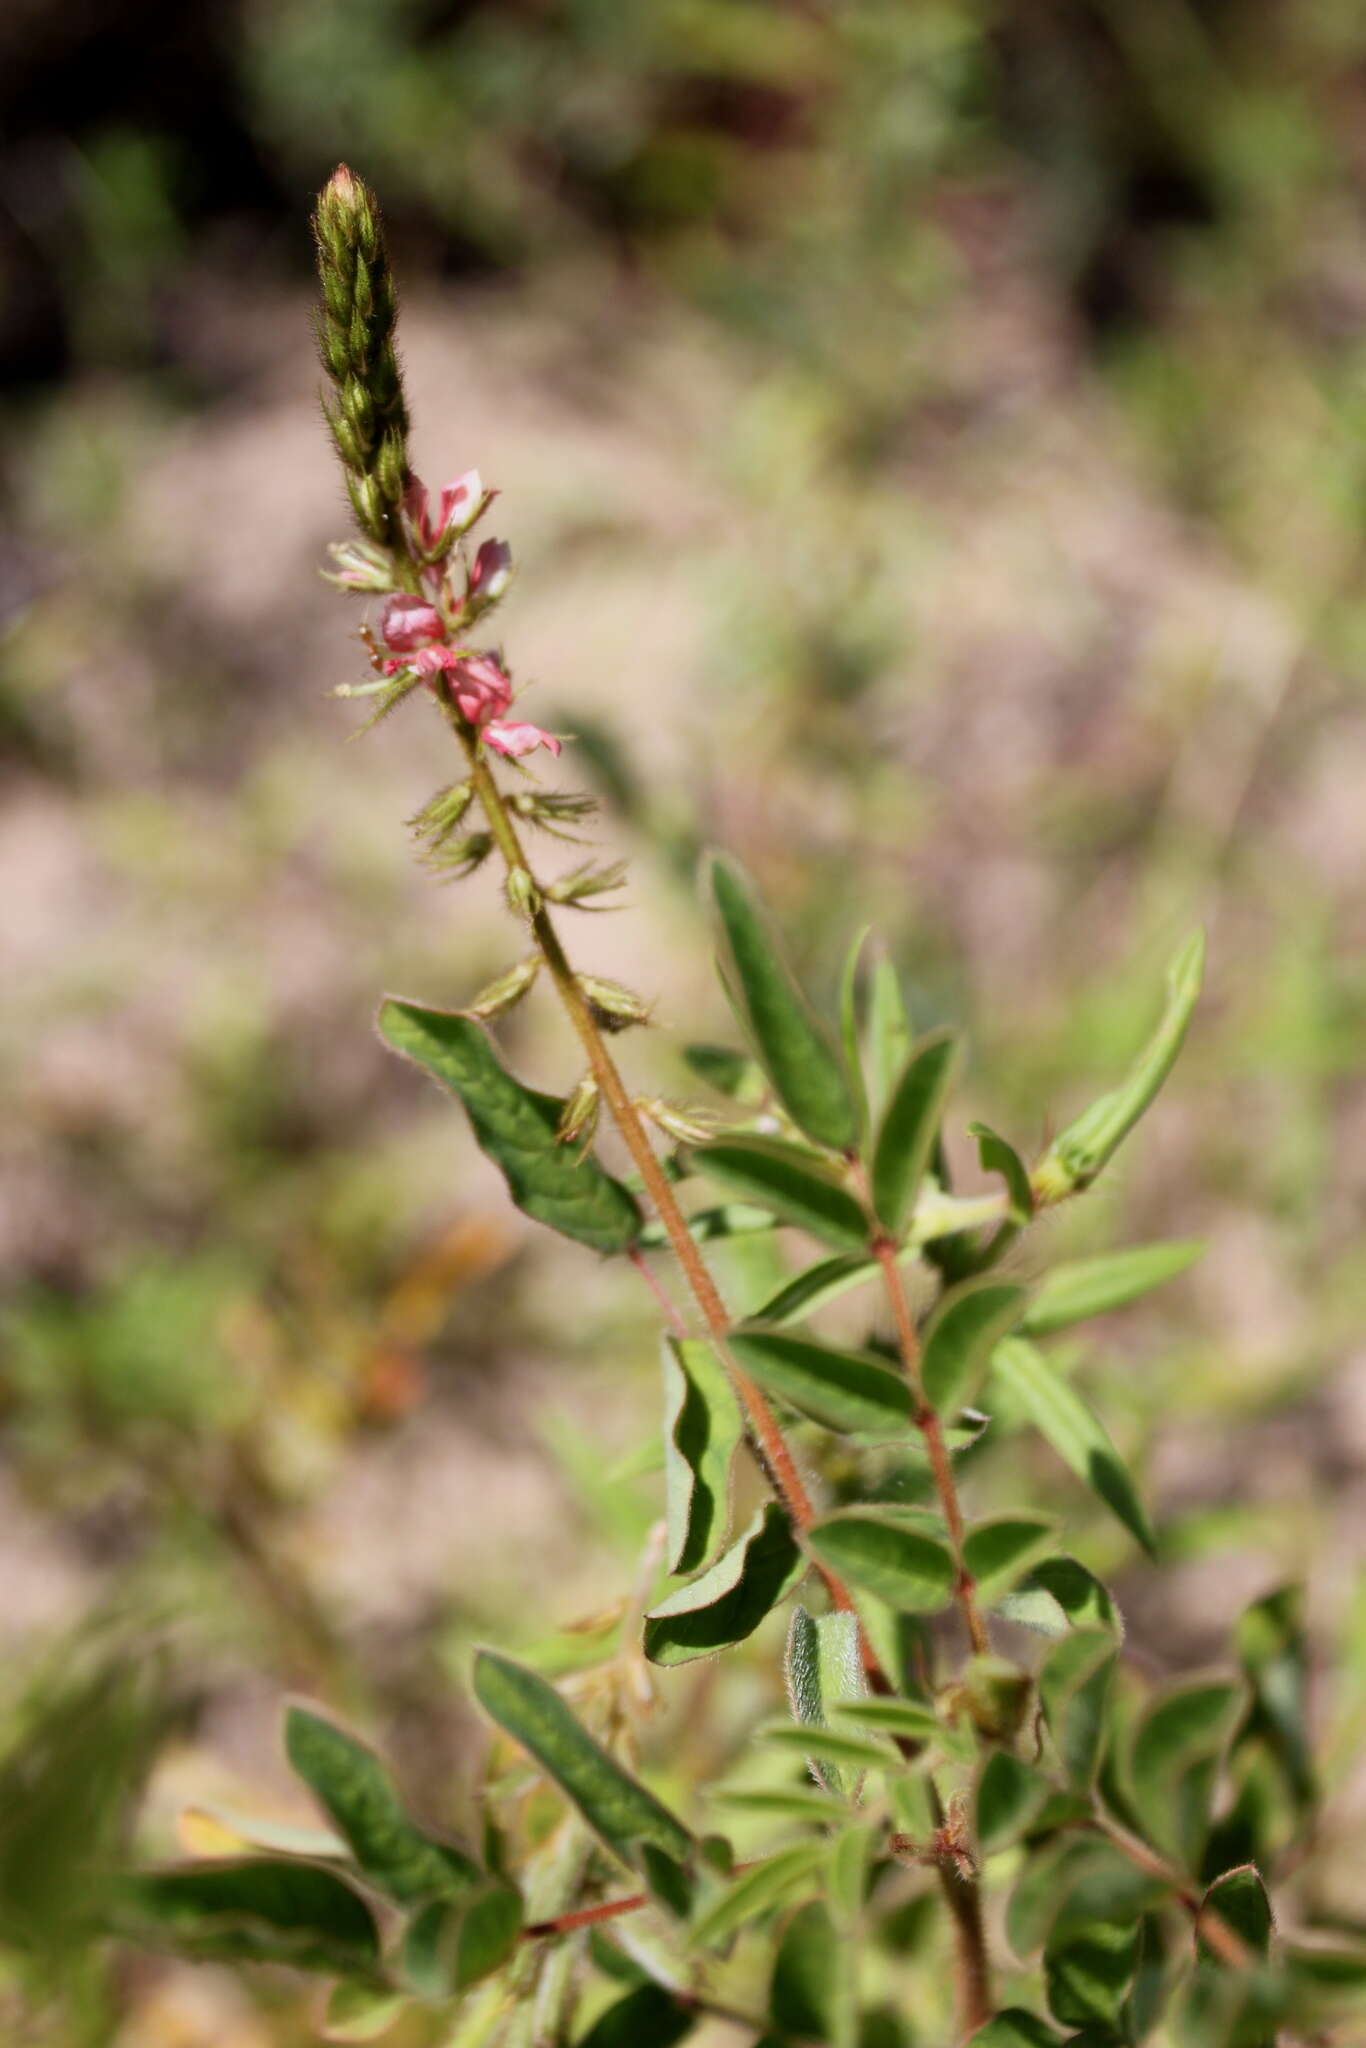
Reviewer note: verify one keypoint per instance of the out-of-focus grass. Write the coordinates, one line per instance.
(960, 511)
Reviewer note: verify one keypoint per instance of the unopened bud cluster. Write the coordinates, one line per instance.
(366, 414)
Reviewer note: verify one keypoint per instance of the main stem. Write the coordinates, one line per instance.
(767, 1438)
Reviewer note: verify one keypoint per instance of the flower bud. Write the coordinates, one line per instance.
(581, 883)
(686, 1123)
(612, 1007)
(438, 819)
(523, 897)
(359, 567)
(491, 572)
(579, 1117)
(507, 991)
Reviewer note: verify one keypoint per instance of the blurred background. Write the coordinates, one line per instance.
(932, 434)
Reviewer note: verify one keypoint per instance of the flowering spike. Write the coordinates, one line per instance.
(368, 417)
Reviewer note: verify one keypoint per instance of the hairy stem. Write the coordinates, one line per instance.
(766, 1438)
(928, 1423)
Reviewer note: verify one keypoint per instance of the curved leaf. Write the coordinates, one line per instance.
(353, 1788)
(795, 1187)
(1088, 1972)
(909, 1127)
(1009, 1795)
(847, 1391)
(823, 1282)
(758, 1890)
(889, 1035)
(727, 1603)
(648, 2017)
(997, 1156)
(914, 1572)
(1074, 1687)
(702, 1430)
(1078, 1154)
(1078, 1436)
(516, 1126)
(959, 1338)
(799, 1058)
(1092, 1287)
(623, 1813)
(1177, 1747)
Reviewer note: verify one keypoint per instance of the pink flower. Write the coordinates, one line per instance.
(492, 571)
(457, 506)
(515, 738)
(409, 622)
(480, 686)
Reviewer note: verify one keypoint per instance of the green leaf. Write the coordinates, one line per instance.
(815, 1287)
(889, 1035)
(809, 1994)
(1272, 1649)
(849, 1025)
(780, 1802)
(622, 1812)
(1092, 1287)
(707, 1226)
(702, 1429)
(1074, 1686)
(727, 1603)
(1088, 1972)
(1239, 1898)
(1071, 1884)
(451, 1944)
(1002, 1550)
(648, 2017)
(847, 1391)
(794, 1186)
(352, 1787)
(851, 1855)
(1177, 1746)
(904, 1718)
(1076, 1434)
(799, 1058)
(1015, 2028)
(1009, 1795)
(853, 1753)
(255, 1909)
(758, 1890)
(1077, 1156)
(997, 1156)
(912, 1571)
(959, 1338)
(730, 1073)
(1061, 1594)
(909, 1128)
(516, 1126)
(824, 1672)
(358, 2012)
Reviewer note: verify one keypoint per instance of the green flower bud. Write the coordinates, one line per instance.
(612, 1007)
(579, 1117)
(522, 893)
(501, 995)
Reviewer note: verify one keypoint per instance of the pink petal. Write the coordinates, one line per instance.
(458, 501)
(515, 738)
(492, 571)
(481, 687)
(406, 622)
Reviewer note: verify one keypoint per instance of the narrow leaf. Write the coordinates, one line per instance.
(825, 1673)
(1061, 1594)
(959, 1338)
(353, 1789)
(1273, 1651)
(1092, 1287)
(815, 1287)
(904, 1718)
(1077, 1156)
(809, 1993)
(729, 1073)
(999, 1552)
(912, 1571)
(889, 1035)
(358, 2012)
(254, 1909)
(796, 1188)
(800, 1060)
(1076, 1434)
(758, 1890)
(909, 1127)
(854, 1753)
(727, 1603)
(516, 1126)
(1074, 1687)
(849, 1025)
(702, 1429)
(847, 1391)
(623, 1813)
